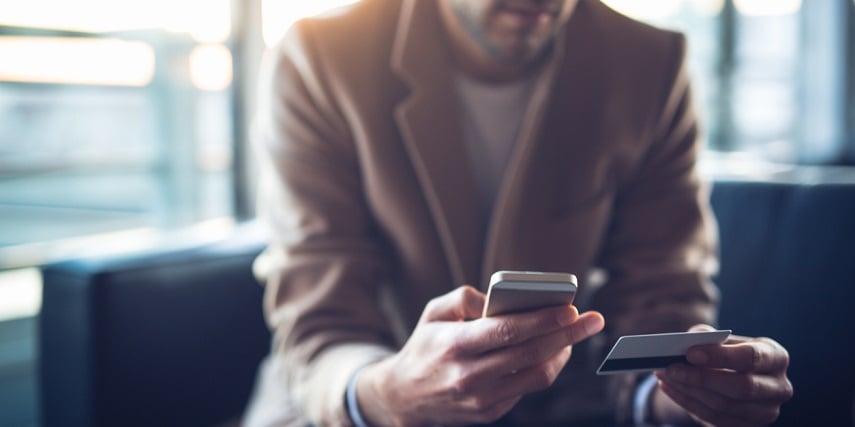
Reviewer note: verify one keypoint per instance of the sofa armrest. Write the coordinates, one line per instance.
(169, 337)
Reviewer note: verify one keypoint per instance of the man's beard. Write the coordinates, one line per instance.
(477, 32)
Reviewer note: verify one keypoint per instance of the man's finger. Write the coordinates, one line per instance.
(589, 324)
(701, 328)
(463, 303)
(734, 385)
(524, 355)
(732, 339)
(760, 355)
(537, 377)
(483, 396)
(750, 411)
(473, 303)
(699, 410)
(488, 366)
(490, 333)
(492, 413)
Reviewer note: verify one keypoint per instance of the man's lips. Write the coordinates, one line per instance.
(532, 9)
(528, 16)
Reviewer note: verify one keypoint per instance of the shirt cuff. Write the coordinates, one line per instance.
(352, 403)
(642, 398)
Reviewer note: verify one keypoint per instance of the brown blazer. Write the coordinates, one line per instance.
(372, 208)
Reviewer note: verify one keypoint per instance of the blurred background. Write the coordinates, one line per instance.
(124, 123)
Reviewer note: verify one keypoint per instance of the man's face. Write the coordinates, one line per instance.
(512, 31)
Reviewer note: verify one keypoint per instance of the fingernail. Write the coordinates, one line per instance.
(697, 357)
(593, 324)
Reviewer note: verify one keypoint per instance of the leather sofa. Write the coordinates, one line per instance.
(174, 336)
(788, 272)
(170, 337)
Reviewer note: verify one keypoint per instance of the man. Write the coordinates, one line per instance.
(415, 146)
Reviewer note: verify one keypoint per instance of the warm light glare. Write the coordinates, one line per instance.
(76, 61)
(205, 20)
(279, 15)
(20, 293)
(708, 7)
(647, 9)
(211, 67)
(767, 7)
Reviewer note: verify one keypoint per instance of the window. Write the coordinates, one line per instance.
(129, 118)
(115, 120)
(120, 119)
(278, 15)
(772, 76)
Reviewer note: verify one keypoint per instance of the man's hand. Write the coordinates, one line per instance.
(455, 370)
(742, 382)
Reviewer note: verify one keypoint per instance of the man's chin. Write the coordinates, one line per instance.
(516, 54)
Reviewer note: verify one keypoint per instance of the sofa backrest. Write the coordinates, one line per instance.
(788, 272)
(168, 338)
(175, 337)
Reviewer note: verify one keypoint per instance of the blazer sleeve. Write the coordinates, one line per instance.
(660, 250)
(326, 261)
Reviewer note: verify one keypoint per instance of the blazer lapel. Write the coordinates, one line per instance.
(573, 97)
(429, 122)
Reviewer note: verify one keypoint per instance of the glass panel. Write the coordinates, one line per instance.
(105, 132)
(69, 60)
(767, 7)
(765, 84)
(204, 20)
(769, 74)
(278, 15)
(700, 20)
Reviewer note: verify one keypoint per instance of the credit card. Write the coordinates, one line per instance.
(640, 353)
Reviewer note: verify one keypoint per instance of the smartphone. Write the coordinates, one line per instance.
(516, 291)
